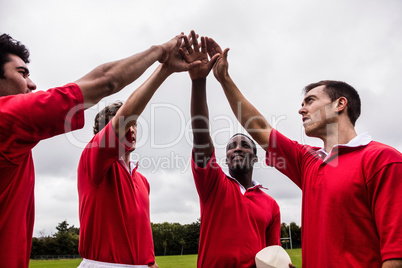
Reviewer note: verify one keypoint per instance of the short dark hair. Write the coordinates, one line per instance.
(104, 116)
(252, 142)
(8, 46)
(337, 89)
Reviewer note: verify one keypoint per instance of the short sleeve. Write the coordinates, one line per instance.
(206, 178)
(273, 233)
(287, 156)
(102, 151)
(26, 119)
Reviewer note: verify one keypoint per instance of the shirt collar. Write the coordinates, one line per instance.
(360, 140)
(243, 190)
(133, 164)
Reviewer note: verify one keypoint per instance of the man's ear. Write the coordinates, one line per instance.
(342, 102)
(255, 159)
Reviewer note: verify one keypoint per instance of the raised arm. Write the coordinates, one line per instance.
(202, 142)
(128, 114)
(111, 77)
(249, 117)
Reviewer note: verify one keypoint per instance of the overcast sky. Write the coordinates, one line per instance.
(276, 48)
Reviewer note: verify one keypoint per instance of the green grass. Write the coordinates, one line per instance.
(185, 261)
(55, 263)
(295, 255)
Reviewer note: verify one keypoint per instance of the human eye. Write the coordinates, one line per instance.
(23, 72)
(246, 145)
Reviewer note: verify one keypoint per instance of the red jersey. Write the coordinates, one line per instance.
(115, 223)
(351, 201)
(25, 119)
(234, 226)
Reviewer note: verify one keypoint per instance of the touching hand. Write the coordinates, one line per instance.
(173, 60)
(221, 66)
(169, 46)
(191, 53)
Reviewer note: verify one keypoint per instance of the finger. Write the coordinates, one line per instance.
(195, 42)
(209, 47)
(180, 35)
(216, 48)
(193, 64)
(184, 55)
(188, 45)
(213, 48)
(212, 61)
(225, 54)
(203, 45)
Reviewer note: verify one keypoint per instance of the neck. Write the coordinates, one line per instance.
(338, 134)
(126, 158)
(243, 177)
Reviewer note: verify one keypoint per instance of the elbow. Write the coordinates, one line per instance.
(109, 83)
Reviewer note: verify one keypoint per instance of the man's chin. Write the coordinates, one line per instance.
(240, 168)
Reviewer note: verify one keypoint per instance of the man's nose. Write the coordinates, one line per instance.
(31, 85)
(302, 111)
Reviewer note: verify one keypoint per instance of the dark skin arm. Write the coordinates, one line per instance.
(202, 142)
(258, 127)
(248, 116)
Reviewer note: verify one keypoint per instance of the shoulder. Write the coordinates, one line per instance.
(377, 156)
(382, 152)
(266, 197)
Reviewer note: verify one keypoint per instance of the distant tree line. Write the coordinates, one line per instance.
(169, 239)
(63, 242)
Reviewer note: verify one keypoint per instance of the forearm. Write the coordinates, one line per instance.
(248, 116)
(200, 119)
(397, 263)
(111, 77)
(137, 101)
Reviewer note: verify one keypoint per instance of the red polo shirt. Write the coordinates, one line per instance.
(115, 224)
(234, 226)
(25, 119)
(351, 201)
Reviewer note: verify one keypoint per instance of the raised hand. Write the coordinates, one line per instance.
(172, 58)
(191, 53)
(213, 48)
(169, 46)
(221, 66)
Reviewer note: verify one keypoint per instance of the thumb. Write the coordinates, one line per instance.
(225, 54)
(213, 61)
(193, 64)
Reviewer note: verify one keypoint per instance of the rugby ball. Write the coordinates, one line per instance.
(272, 257)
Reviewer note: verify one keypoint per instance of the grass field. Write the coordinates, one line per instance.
(185, 261)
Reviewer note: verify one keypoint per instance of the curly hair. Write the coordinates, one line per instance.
(104, 116)
(8, 46)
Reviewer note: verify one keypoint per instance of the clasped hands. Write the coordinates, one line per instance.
(191, 52)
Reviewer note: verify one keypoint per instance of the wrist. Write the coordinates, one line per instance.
(162, 53)
(225, 79)
(199, 80)
(164, 70)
